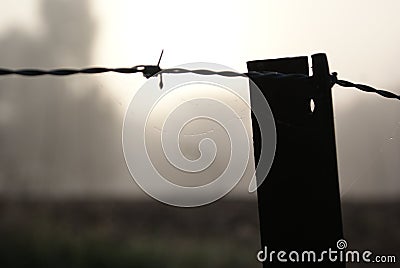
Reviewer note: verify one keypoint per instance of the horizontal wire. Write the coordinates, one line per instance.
(64, 72)
(276, 75)
(365, 88)
(233, 74)
(151, 70)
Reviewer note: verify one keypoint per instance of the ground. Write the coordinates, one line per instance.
(121, 233)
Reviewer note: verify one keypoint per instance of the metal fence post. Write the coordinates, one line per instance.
(299, 201)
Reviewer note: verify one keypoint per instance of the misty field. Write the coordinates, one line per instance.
(107, 233)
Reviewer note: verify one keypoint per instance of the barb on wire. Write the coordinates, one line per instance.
(147, 70)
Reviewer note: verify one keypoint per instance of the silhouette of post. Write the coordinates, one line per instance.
(299, 201)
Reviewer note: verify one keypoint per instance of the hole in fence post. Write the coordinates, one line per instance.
(312, 105)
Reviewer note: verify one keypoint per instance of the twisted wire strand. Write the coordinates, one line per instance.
(275, 75)
(365, 88)
(64, 72)
(151, 70)
(233, 73)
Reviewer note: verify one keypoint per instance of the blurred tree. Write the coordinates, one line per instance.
(58, 135)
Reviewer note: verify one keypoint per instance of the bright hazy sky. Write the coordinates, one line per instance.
(360, 37)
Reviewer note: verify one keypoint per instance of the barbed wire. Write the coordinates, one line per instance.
(147, 70)
(152, 70)
(365, 88)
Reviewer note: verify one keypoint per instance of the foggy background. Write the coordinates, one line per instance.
(60, 137)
